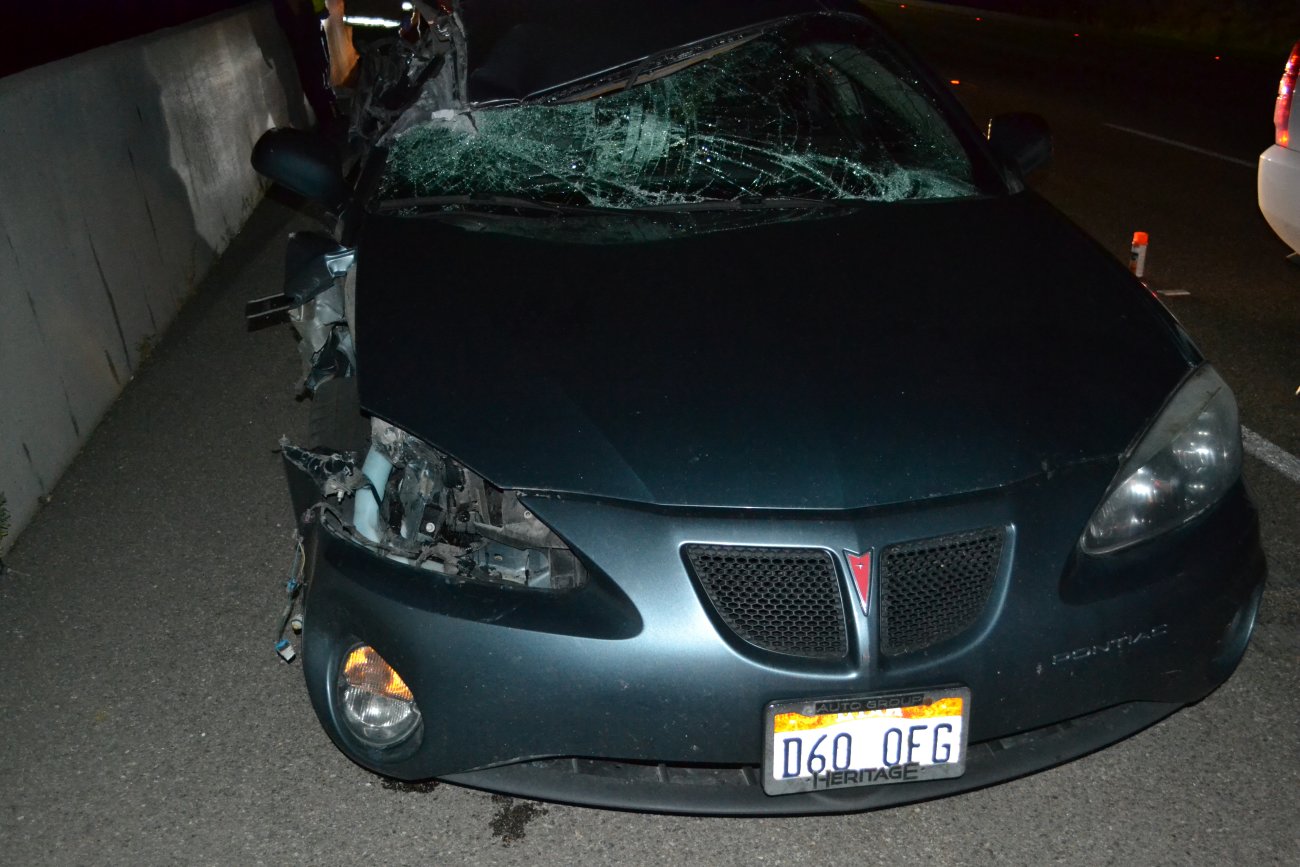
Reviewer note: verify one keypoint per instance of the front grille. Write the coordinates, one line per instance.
(786, 600)
(933, 589)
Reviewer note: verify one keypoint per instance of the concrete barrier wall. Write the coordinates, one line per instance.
(123, 174)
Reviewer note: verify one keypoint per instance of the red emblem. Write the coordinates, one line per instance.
(860, 566)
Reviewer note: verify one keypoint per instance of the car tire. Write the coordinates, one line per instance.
(336, 423)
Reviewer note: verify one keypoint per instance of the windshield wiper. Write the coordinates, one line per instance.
(741, 203)
(492, 202)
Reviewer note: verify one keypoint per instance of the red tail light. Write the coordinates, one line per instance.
(1285, 91)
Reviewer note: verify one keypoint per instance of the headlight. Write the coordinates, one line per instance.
(412, 503)
(1184, 464)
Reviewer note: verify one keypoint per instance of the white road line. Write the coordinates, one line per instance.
(1193, 148)
(1276, 457)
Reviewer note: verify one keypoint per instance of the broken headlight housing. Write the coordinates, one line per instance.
(412, 503)
(1183, 465)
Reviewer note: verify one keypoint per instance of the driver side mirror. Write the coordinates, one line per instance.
(1021, 139)
(303, 162)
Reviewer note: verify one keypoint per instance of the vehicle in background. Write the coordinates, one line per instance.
(1279, 166)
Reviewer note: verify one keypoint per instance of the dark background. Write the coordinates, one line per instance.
(57, 29)
(1247, 25)
(47, 30)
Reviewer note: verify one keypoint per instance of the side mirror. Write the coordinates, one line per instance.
(302, 162)
(1021, 139)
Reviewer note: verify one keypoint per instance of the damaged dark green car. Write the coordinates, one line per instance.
(706, 418)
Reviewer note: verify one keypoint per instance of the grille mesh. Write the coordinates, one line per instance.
(932, 589)
(786, 600)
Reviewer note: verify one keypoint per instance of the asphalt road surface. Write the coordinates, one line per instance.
(145, 719)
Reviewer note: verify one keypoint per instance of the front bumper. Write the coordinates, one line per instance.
(630, 681)
(738, 790)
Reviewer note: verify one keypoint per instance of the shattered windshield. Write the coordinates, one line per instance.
(815, 109)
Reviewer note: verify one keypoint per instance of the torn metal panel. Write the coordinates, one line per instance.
(795, 114)
(318, 274)
(322, 322)
(395, 73)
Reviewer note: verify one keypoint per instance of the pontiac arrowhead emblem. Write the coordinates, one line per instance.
(860, 566)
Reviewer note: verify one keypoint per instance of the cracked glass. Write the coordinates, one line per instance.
(813, 111)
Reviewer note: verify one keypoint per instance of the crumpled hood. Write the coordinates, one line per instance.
(904, 351)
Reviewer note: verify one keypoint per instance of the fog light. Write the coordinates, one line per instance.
(377, 705)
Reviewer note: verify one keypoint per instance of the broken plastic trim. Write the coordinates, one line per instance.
(312, 263)
(409, 502)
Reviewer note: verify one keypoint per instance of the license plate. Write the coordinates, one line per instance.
(868, 740)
